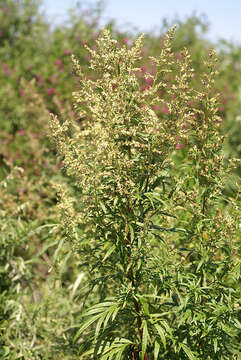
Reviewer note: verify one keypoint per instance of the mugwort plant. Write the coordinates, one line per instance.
(158, 239)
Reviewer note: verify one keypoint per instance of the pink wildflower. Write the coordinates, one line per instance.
(143, 69)
(67, 52)
(51, 91)
(22, 92)
(179, 146)
(165, 110)
(39, 80)
(21, 132)
(6, 69)
(156, 107)
(149, 80)
(58, 63)
(53, 79)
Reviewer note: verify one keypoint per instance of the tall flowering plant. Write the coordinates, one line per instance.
(158, 245)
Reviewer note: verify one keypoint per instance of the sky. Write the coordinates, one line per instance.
(224, 16)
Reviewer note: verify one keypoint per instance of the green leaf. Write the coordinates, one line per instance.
(115, 313)
(115, 348)
(103, 207)
(109, 252)
(85, 326)
(144, 339)
(93, 311)
(139, 262)
(156, 350)
(117, 351)
(144, 304)
(4, 351)
(98, 325)
(100, 307)
(215, 344)
(237, 324)
(42, 251)
(161, 333)
(131, 232)
(110, 312)
(187, 351)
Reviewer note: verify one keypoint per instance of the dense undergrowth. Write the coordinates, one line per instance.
(120, 221)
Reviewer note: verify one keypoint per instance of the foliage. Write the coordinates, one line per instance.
(152, 231)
